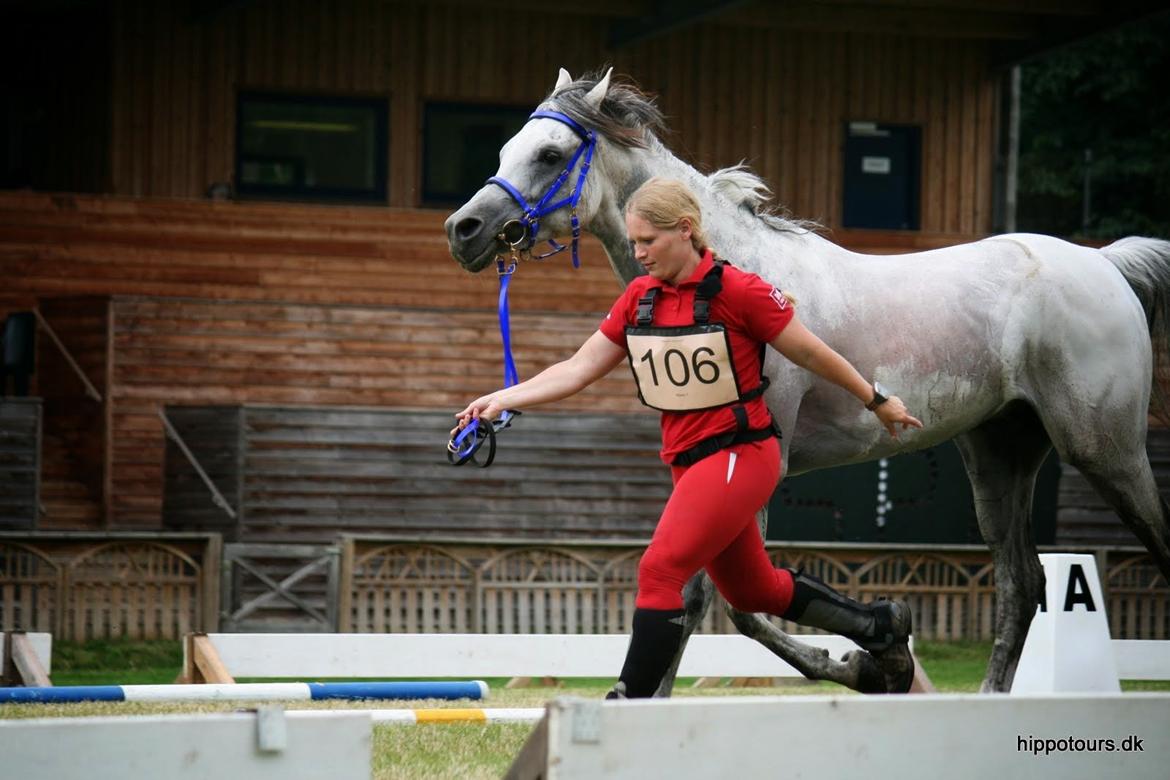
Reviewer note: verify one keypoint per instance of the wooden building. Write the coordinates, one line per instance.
(125, 122)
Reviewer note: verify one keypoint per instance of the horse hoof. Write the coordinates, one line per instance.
(868, 674)
(897, 668)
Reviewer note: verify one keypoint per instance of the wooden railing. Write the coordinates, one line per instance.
(160, 586)
(96, 586)
(456, 585)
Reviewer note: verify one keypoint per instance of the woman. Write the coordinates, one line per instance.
(694, 330)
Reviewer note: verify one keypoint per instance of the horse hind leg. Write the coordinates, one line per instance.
(1002, 457)
(1108, 447)
(1127, 484)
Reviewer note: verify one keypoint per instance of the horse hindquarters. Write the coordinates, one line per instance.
(1002, 457)
(1124, 479)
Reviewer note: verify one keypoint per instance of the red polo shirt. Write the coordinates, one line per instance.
(753, 311)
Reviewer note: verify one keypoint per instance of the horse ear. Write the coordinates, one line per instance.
(563, 80)
(597, 94)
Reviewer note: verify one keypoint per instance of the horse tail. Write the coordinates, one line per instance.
(1145, 264)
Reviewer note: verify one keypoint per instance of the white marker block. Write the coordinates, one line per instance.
(1068, 649)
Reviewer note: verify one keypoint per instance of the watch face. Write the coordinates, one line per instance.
(880, 389)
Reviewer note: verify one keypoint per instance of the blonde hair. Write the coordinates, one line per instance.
(665, 203)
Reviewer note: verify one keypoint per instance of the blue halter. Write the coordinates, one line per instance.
(467, 442)
(530, 219)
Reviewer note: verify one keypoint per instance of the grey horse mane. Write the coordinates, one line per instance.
(740, 186)
(630, 118)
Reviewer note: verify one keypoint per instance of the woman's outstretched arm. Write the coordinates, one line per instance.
(596, 358)
(805, 349)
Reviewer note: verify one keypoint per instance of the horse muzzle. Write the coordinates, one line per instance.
(474, 232)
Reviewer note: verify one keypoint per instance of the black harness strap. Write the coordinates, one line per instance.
(646, 307)
(724, 440)
(708, 288)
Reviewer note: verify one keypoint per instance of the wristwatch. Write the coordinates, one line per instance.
(880, 396)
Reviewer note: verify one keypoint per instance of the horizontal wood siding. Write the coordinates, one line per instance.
(74, 452)
(308, 474)
(61, 245)
(65, 245)
(773, 94)
(20, 445)
(203, 352)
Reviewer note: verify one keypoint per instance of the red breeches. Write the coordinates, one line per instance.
(710, 523)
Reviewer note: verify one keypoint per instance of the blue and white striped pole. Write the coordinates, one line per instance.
(471, 689)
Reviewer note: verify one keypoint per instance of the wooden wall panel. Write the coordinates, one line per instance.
(777, 98)
(188, 352)
(74, 444)
(20, 464)
(59, 245)
(308, 473)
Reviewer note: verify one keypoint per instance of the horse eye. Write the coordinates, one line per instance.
(550, 156)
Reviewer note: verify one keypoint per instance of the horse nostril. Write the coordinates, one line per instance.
(468, 227)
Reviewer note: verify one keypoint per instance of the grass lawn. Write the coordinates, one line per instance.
(447, 750)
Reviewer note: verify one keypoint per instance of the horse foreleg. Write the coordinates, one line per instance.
(697, 597)
(1002, 457)
(857, 669)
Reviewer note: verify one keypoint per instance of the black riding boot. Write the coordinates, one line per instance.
(882, 628)
(655, 639)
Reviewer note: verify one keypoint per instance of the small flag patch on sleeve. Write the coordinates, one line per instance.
(778, 296)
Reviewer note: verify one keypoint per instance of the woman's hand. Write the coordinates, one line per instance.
(596, 358)
(892, 413)
(486, 407)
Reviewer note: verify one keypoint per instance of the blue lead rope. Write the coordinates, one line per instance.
(511, 377)
(468, 441)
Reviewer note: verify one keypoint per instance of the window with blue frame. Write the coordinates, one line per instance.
(312, 148)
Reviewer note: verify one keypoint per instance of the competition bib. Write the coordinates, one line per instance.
(682, 369)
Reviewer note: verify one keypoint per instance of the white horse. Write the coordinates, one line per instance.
(1010, 346)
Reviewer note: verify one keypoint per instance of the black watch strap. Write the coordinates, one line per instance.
(880, 396)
